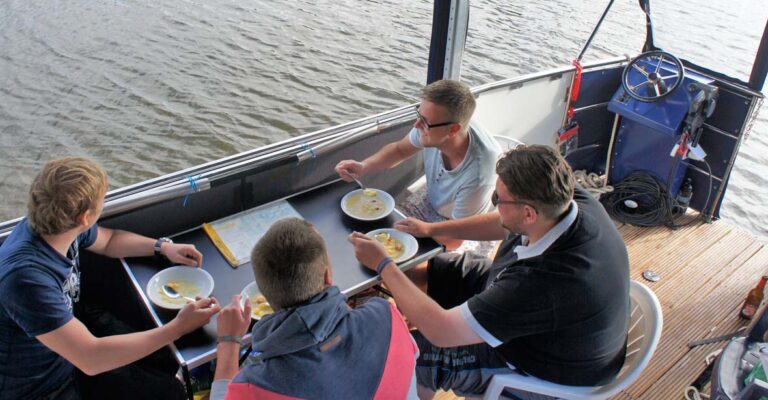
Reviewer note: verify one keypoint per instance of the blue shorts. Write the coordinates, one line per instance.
(467, 370)
(452, 279)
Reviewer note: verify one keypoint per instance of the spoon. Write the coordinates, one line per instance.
(173, 294)
(358, 181)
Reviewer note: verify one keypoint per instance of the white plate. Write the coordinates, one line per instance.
(249, 292)
(389, 204)
(409, 242)
(200, 279)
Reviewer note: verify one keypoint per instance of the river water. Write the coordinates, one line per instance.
(148, 88)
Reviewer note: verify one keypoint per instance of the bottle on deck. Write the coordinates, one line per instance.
(754, 298)
(684, 197)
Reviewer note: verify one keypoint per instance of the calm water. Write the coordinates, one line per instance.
(147, 89)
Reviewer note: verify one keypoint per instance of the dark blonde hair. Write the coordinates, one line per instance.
(455, 96)
(289, 263)
(539, 175)
(62, 191)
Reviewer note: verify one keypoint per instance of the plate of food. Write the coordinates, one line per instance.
(400, 245)
(259, 305)
(172, 287)
(367, 204)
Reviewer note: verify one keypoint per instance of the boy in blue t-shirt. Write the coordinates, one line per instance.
(41, 342)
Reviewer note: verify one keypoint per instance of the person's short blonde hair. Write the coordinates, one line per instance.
(455, 96)
(62, 191)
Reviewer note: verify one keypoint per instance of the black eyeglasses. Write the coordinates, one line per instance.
(427, 124)
(495, 201)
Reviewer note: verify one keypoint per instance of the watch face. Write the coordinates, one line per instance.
(159, 243)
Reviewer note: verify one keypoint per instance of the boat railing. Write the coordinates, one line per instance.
(294, 150)
(289, 145)
(201, 178)
(555, 71)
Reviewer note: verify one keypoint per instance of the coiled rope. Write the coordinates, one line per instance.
(693, 393)
(592, 182)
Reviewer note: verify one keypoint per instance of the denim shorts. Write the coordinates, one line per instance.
(467, 370)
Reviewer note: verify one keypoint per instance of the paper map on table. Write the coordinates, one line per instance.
(235, 235)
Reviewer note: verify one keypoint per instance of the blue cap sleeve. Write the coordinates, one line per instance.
(87, 238)
(414, 136)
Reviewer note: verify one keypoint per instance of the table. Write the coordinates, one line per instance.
(321, 207)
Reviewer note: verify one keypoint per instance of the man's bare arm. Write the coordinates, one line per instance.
(443, 328)
(117, 243)
(388, 157)
(477, 227)
(94, 355)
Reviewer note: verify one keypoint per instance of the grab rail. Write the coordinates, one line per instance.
(178, 185)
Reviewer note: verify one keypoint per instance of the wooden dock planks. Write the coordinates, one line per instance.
(709, 309)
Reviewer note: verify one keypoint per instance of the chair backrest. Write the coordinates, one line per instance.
(645, 325)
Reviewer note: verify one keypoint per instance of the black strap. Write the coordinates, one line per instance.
(704, 377)
(648, 46)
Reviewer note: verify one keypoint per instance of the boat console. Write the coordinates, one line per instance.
(662, 110)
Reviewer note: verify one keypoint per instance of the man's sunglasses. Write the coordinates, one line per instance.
(427, 124)
(496, 201)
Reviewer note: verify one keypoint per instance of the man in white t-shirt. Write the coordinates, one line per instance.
(459, 157)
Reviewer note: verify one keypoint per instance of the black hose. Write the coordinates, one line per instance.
(639, 199)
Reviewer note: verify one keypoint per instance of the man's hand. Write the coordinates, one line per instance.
(195, 314)
(185, 254)
(350, 168)
(234, 320)
(367, 250)
(415, 227)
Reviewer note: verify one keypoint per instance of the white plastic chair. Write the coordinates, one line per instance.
(644, 333)
(506, 143)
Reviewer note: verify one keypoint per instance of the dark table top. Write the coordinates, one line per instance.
(321, 207)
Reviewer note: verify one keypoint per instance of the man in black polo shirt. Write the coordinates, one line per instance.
(554, 303)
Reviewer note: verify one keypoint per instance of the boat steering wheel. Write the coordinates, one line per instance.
(645, 80)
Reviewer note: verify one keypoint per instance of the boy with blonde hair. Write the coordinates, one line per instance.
(41, 341)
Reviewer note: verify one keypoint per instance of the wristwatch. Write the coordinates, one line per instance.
(159, 243)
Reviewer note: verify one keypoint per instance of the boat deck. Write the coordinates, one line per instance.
(706, 271)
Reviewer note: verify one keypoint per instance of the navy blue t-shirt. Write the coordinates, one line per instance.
(37, 289)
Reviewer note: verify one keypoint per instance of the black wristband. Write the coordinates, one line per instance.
(383, 263)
